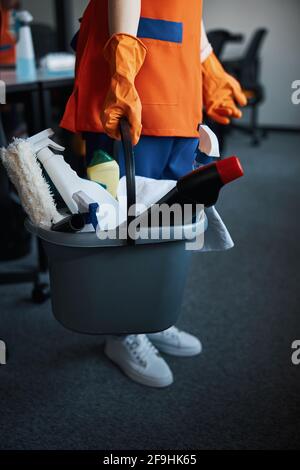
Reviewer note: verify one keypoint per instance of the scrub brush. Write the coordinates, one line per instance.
(25, 172)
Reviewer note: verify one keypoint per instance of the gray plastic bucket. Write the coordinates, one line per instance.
(117, 286)
(108, 287)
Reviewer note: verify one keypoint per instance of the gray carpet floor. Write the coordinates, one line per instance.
(58, 391)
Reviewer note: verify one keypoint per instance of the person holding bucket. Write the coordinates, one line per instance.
(151, 62)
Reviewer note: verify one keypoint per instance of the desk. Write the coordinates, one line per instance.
(35, 93)
(23, 91)
(49, 82)
(15, 83)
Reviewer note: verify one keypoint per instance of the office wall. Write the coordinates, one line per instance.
(79, 7)
(42, 10)
(281, 57)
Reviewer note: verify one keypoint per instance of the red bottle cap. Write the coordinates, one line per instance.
(230, 169)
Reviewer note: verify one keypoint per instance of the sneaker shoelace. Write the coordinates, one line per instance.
(141, 348)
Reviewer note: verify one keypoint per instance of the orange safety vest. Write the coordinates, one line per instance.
(169, 83)
(7, 42)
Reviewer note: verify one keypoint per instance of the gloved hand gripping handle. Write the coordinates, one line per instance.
(130, 174)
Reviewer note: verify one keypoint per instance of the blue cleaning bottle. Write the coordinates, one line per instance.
(26, 68)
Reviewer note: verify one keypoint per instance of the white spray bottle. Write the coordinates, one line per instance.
(67, 182)
(26, 68)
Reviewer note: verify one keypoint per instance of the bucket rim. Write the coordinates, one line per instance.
(90, 239)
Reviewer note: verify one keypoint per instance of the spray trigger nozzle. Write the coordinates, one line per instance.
(23, 16)
(41, 141)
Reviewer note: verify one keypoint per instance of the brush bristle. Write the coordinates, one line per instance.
(26, 174)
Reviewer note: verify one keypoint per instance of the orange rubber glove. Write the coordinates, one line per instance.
(221, 92)
(125, 55)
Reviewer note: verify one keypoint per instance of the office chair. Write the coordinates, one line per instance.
(247, 70)
(218, 38)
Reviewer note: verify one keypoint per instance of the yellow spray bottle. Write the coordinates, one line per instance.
(104, 170)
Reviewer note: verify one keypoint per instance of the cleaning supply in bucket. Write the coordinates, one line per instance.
(86, 220)
(71, 224)
(208, 150)
(67, 182)
(201, 186)
(203, 159)
(26, 174)
(208, 142)
(104, 170)
(88, 207)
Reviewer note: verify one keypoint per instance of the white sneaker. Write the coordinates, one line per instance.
(139, 359)
(175, 342)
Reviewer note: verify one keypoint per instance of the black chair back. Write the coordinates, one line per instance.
(256, 42)
(218, 38)
(250, 67)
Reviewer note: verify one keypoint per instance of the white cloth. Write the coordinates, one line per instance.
(216, 237)
(149, 191)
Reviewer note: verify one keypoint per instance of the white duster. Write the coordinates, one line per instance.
(26, 174)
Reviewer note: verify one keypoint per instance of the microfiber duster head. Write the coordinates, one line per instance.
(26, 174)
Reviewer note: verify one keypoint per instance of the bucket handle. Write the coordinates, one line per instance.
(130, 172)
